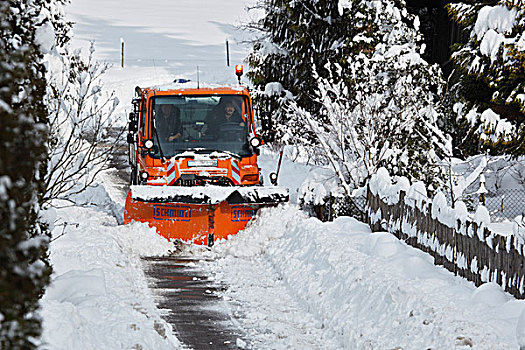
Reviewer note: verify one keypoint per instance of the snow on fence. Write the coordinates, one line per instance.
(462, 244)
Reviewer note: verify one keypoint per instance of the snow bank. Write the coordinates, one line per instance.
(364, 290)
(99, 298)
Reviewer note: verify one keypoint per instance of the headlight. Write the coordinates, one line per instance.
(148, 144)
(144, 175)
(203, 162)
(255, 142)
(273, 178)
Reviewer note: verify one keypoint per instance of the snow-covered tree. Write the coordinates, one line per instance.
(489, 95)
(382, 109)
(294, 39)
(23, 160)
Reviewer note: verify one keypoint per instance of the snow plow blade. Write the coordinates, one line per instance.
(199, 215)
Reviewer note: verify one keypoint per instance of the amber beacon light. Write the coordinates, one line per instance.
(238, 71)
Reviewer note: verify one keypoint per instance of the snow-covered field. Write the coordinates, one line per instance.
(296, 283)
(164, 36)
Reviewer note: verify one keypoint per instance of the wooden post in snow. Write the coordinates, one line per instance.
(227, 53)
(122, 52)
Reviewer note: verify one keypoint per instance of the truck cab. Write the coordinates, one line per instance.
(183, 135)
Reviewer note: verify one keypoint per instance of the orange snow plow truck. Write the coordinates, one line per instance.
(193, 155)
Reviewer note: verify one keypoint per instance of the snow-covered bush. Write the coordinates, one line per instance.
(81, 113)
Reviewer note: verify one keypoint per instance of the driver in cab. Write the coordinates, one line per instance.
(169, 125)
(224, 113)
(231, 115)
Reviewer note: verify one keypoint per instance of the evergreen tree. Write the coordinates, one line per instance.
(488, 96)
(296, 39)
(23, 163)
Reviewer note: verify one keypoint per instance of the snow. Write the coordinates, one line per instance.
(493, 27)
(491, 43)
(461, 211)
(441, 210)
(209, 194)
(344, 4)
(497, 18)
(273, 89)
(463, 182)
(45, 37)
(98, 298)
(270, 48)
(382, 183)
(359, 289)
(167, 36)
(416, 196)
(298, 283)
(318, 185)
(482, 215)
(5, 186)
(195, 85)
(499, 127)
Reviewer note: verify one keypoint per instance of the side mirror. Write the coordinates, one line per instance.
(131, 138)
(133, 127)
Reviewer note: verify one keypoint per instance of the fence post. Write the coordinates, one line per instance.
(402, 210)
(482, 189)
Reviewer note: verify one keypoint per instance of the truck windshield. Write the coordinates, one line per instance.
(186, 122)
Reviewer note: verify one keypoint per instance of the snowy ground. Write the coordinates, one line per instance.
(294, 282)
(359, 289)
(99, 297)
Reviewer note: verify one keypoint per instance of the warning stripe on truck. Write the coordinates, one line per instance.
(170, 173)
(236, 172)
